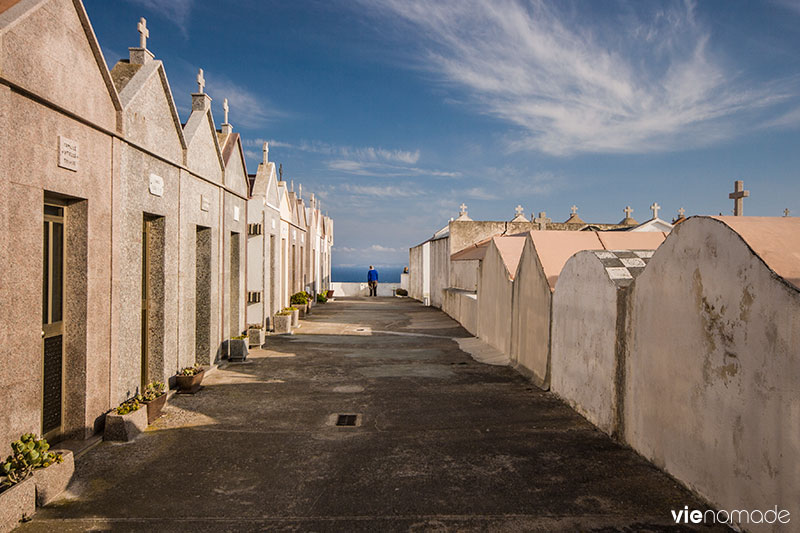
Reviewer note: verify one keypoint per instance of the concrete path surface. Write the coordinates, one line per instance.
(444, 443)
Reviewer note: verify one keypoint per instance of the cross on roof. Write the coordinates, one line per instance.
(681, 211)
(628, 210)
(574, 209)
(265, 149)
(201, 81)
(144, 33)
(654, 208)
(786, 212)
(280, 171)
(738, 195)
(542, 220)
(462, 209)
(519, 210)
(225, 108)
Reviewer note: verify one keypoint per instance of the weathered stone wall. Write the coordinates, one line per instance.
(531, 318)
(464, 274)
(132, 201)
(712, 374)
(583, 362)
(415, 272)
(495, 301)
(440, 270)
(462, 306)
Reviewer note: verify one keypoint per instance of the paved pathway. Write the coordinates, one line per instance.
(445, 444)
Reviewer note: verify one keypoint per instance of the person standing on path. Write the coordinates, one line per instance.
(372, 281)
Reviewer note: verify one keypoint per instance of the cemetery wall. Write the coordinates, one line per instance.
(711, 378)
(584, 352)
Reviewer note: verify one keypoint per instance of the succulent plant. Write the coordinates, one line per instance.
(321, 299)
(27, 454)
(191, 370)
(129, 406)
(152, 391)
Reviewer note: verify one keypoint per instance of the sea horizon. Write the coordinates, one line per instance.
(356, 274)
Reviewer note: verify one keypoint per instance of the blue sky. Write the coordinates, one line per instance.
(396, 111)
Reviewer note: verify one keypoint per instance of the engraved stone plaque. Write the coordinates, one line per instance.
(156, 185)
(67, 153)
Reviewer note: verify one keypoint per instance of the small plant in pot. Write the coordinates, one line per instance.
(299, 301)
(27, 454)
(282, 321)
(125, 422)
(23, 482)
(154, 397)
(189, 378)
(321, 299)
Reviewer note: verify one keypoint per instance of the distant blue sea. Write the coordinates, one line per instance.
(359, 274)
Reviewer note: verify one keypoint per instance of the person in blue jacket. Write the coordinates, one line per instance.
(372, 281)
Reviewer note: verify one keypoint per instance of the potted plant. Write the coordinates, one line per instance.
(236, 348)
(125, 422)
(282, 321)
(189, 379)
(329, 294)
(295, 316)
(33, 475)
(154, 397)
(321, 299)
(255, 335)
(299, 301)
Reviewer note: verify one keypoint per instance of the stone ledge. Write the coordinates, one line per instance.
(53, 480)
(17, 502)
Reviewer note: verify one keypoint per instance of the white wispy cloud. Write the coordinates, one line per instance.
(247, 108)
(178, 11)
(379, 248)
(404, 191)
(364, 153)
(617, 86)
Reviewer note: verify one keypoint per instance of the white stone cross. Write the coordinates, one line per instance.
(266, 152)
(462, 209)
(738, 195)
(225, 108)
(681, 211)
(628, 210)
(144, 33)
(574, 209)
(542, 220)
(519, 210)
(201, 81)
(654, 208)
(299, 190)
(786, 212)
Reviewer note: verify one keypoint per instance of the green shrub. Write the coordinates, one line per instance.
(27, 454)
(321, 299)
(285, 312)
(299, 298)
(239, 338)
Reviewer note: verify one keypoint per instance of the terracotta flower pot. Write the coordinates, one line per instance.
(189, 384)
(154, 408)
